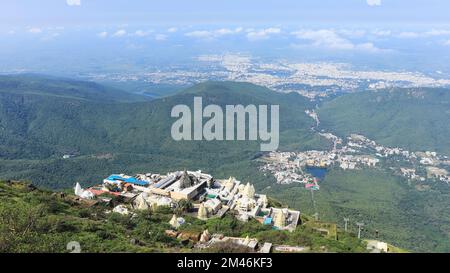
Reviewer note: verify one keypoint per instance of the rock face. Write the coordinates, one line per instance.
(205, 237)
(188, 235)
(121, 209)
(171, 233)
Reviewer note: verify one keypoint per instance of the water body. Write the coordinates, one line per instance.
(317, 172)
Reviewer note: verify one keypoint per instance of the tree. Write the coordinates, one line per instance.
(183, 206)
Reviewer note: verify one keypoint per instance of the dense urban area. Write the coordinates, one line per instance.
(313, 80)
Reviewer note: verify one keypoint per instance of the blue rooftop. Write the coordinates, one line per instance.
(268, 221)
(130, 180)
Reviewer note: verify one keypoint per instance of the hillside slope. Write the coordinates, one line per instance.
(37, 130)
(415, 119)
(64, 88)
(35, 220)
(409, 218)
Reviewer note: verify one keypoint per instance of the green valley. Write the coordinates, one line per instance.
(106, 131)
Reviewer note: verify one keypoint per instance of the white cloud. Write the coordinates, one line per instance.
(262, 34)
(368, 47)
(324, 38)
(133, 46)
(408, 34)
(374, 3)
(35, 30)
(160, 37)
(73, 2)
(437, 32)
(50, 36)
(103, 34)
(354, 33)
(327, 38)
(223, 31)
(172, 29)
(211, 34)
(382, 32)
(431, 33)
(142, 33)
(120, 33)
(446, 43)
(199, 34)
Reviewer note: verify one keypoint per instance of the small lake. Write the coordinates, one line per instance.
(317, 172)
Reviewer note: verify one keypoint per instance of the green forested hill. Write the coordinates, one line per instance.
(415, 220)
(64, 88)
(37, 129)
(415, 119)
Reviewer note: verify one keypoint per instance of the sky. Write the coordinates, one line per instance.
(100, 12)
(51, 34)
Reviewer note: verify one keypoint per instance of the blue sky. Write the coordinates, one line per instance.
(104, 12)
(404, 34)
